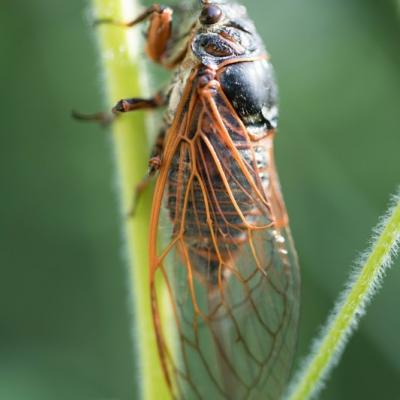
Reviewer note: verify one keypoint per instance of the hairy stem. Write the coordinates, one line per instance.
(363, 284)
(120, 50)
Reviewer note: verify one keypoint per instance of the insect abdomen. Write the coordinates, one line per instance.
(215, 226)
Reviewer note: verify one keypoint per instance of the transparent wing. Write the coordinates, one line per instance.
(224, 273)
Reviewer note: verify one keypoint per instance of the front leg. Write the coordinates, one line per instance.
(159, 30)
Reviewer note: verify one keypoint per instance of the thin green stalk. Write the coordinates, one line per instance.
(120, 50)
(365, 281)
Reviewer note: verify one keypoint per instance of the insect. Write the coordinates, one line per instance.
(225, 257)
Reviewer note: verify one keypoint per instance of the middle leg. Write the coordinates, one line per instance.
(154, 166)
(124, 105)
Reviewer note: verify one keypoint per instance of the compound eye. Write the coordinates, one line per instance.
(210, 15)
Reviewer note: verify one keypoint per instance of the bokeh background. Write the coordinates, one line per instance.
(64, 316)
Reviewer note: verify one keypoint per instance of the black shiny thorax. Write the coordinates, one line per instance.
(251, 89)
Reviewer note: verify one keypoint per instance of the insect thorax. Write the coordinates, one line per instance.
(250, 86)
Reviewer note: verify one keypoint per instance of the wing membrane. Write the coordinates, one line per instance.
(226, 319)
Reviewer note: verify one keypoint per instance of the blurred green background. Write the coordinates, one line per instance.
(64, 317)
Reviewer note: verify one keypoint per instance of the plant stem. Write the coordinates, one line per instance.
(123, 77)
(363, 284)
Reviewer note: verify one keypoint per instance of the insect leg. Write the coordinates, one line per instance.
(159, 30)
(103, 118)
(135, 103)
(124, 105)
(154, 166)
(155, 8)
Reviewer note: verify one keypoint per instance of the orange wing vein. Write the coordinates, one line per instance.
(224, 266)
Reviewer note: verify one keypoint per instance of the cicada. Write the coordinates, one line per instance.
(224, 275)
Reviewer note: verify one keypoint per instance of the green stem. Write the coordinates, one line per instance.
(120, 50)
(363, 285)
